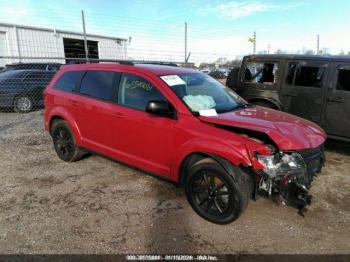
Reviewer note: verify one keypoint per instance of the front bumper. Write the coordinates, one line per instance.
(294, 185)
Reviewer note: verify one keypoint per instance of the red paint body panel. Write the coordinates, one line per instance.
(287, 131)
(158, 144)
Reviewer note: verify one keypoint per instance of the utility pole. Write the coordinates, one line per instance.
(85, 41)
(185, 43)
(318, 45)
(268, 48)
(254, 43)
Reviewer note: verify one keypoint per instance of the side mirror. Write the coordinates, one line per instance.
(161, 108)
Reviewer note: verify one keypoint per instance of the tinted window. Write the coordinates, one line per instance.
(68, 80)
(343, 79)
(309, 76)
(99, 84)
(136, 92)
(265, 72)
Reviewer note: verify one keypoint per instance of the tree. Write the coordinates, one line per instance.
(309, 52)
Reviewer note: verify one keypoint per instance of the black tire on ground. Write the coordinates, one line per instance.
(64, 142)
(23, 104)
(265, 104)
(216, 195)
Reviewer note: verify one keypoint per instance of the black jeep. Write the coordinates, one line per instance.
(313, 87)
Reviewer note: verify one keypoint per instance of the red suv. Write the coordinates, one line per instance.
(186, 127)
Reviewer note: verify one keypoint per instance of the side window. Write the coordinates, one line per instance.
(136, 92)
(343, 82)
(291, 72)
(310, 76)
(99, 84)
(261, 72)
(68, 80)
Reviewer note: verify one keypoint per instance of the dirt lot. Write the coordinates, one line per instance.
(99, 206)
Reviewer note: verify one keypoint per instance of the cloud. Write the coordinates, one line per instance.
(238, 9)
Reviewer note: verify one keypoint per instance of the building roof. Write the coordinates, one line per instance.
(54, 30)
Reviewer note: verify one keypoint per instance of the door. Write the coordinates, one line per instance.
(302, 93)
(259, 79)
(138, 137)
(96, 93)
(338, 101)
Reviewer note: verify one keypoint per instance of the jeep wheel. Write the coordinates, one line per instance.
(23, 104)
(214, 194)
(64, 142)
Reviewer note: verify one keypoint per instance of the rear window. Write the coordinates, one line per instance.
(68, 80)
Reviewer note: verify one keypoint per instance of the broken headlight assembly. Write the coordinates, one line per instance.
(280, 164)
(286, 174)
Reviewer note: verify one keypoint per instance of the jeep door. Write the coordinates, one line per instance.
(338, 101)
(140, 138)
(302, 92)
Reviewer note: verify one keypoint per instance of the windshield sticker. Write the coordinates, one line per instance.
(208, 112)
(173, 80)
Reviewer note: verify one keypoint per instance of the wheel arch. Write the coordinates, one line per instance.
(61, 114)
(189, 154)
(277, 105)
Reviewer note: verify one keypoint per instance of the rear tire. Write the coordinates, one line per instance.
(216, 195)
(64, 142)
(23, 104)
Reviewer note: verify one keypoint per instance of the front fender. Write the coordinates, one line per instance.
(236, 155)
(68, 117)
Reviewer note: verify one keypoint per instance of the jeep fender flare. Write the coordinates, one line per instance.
(274, 102)
(60, 112)
(217, 150)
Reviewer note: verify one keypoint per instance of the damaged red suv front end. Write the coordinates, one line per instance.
(294, 154)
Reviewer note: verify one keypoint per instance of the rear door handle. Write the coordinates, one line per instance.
(118, 115)
(337, 99)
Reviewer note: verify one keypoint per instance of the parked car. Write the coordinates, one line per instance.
(313, 87)
(217, 74)
(22, 90)
(186, 127)
(54, 67)
(205, 71)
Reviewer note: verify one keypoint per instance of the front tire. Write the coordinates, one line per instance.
(23, 104)
(214, 194)
(64, 142)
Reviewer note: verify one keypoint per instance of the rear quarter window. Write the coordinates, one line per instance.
(68, 81)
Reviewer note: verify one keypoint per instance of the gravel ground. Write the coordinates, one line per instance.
(99, 206)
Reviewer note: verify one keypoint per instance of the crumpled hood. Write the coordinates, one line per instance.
(287, 131)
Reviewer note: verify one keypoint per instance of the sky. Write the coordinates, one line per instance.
(215, 28)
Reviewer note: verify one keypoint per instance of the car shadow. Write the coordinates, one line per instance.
(170, 232)
(337, 146)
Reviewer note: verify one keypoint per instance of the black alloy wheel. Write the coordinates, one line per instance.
(64, 142)
(216, 195)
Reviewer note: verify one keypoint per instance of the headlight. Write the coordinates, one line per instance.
(282, 163)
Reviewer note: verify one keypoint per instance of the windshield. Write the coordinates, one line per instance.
(200, 93)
